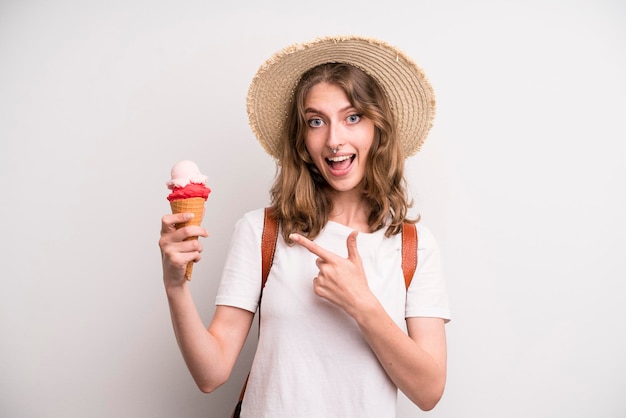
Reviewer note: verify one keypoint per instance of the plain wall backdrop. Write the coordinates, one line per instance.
(521, 180)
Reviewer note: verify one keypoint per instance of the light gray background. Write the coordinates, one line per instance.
(521, 180)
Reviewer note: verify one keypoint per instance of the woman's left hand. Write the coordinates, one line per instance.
(342, 281)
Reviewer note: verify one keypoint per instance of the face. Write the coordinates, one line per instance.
(334, 124)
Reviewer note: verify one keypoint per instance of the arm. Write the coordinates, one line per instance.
(210, 354)
(416, 362)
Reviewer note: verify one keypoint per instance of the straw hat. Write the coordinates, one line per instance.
(409, 93)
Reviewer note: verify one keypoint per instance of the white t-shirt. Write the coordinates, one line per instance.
(311, 359)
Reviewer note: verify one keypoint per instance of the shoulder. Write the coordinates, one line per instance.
(254, 217)
(250, 223)
(425, 238)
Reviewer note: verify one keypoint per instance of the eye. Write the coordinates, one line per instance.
(315, 122)
(353, 119)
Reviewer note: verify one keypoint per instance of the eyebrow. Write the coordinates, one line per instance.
(313, 110)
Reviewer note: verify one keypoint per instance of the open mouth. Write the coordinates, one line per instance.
(340, 162)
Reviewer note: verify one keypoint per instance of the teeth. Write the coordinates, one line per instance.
(339, 158)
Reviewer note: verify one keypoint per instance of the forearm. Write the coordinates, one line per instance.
(418, 370)
(203, 356)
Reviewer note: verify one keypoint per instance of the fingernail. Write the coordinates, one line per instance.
(293, 237)
(189, 216)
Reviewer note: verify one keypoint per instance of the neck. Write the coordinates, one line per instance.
(350, 210)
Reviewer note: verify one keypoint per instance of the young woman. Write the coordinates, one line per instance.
(339, 332)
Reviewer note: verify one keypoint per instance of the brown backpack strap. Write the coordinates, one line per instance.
(268, 243)
(409, 252)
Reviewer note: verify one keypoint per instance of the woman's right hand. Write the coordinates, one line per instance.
(175, 251)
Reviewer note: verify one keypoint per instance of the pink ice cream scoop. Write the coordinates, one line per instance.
(187, 181)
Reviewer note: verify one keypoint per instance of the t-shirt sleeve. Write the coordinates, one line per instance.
(427, 295)
(240, 285)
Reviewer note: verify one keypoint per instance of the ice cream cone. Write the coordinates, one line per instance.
(193, 205)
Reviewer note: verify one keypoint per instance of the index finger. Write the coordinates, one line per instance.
(169, 222)
(322, 253)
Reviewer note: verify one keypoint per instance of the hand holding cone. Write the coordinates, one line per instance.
(189, 193)
(193, 205)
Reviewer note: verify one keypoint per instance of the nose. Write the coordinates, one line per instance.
(335, 136)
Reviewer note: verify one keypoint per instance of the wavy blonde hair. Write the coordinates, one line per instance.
(301, 197)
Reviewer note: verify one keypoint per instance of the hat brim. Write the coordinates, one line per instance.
(409, 92)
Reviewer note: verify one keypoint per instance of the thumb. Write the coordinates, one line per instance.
(353, 252)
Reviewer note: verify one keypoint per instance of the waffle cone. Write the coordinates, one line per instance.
(193, 205)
